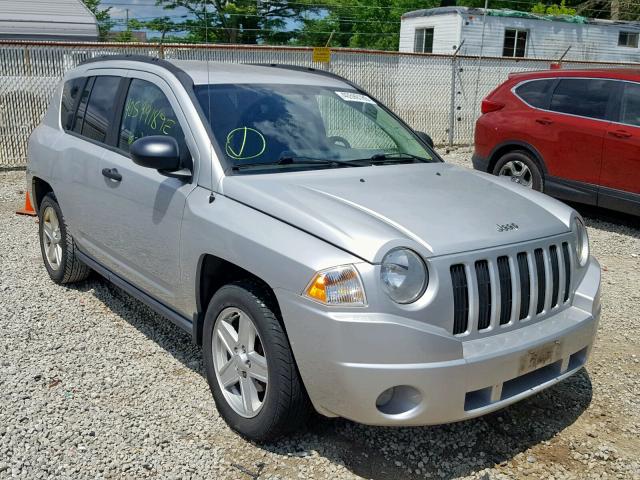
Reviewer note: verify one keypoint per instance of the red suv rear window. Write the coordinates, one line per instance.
(536, 92)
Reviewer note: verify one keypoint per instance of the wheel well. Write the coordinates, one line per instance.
(503, 150)
(214, 273)
(40, 189)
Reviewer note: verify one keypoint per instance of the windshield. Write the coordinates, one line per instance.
(276, 127)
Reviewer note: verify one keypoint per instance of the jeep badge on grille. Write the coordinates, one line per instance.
(505, 227)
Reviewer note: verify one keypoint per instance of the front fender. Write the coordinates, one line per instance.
(278, 253)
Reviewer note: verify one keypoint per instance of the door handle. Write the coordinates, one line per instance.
(544, 121)
(112, 173)
(619, 133)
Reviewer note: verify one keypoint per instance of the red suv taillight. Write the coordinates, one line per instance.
(490, 106)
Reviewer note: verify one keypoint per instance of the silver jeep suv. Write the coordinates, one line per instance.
(317, 248)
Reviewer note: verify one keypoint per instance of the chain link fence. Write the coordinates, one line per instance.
(437, 94)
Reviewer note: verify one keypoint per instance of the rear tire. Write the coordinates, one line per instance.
(521, 168)
(259, 362)
(59, 251)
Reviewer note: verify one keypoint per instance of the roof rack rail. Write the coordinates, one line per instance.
(182, 76)
(131, 57)
(300, 68)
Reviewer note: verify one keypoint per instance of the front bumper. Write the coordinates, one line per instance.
(348, 359)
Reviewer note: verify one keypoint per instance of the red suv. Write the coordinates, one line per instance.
(574, 134)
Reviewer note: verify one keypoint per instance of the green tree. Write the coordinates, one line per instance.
(553, 9)
(162, 25)
(103, 16)
(124, 36)
(239, 21)
(371, 24)
(610, 9)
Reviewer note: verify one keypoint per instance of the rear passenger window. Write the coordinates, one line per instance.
(77, 122)
(147, 111)
(100, 108)
(70, 94)
(583, 97)
(536, 92)
(630, 108)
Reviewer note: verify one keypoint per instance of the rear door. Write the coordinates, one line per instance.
(84, 147)
(574, 127)
(621, 161)
(142, 212)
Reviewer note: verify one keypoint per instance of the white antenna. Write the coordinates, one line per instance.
(206, 41)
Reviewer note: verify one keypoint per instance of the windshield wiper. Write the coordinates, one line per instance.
(296, 160)
(383, 157)
(288, 160)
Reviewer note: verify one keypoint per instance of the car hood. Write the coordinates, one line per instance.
(435, 208)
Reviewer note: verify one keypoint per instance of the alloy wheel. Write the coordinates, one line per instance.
(240, 362)
(519, 173)
(52, 238)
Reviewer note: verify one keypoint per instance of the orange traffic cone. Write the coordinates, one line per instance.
(28, 208)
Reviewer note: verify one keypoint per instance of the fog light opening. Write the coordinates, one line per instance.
(397, 400)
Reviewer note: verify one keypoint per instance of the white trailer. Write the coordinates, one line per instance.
(508, 33)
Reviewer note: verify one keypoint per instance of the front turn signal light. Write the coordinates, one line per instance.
(337, 286)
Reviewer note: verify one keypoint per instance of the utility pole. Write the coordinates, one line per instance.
(127, 21)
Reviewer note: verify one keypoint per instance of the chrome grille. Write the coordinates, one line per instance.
(499, 291)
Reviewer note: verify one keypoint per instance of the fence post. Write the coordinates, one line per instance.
(452, 104)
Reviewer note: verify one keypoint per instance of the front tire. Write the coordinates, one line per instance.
(249, 364)
(521, 168)
(57, 246)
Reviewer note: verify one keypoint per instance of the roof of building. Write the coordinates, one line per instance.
(47, 20)
(504, 12)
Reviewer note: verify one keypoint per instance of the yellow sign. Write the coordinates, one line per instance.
(321, 54)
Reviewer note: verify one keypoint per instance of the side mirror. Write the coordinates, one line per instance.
(425, 138)
(156, 151)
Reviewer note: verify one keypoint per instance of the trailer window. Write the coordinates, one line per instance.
(515, 43)
(628, 39)
(423, 42)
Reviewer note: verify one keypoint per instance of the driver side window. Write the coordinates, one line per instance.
(147, 111)
(354, 124)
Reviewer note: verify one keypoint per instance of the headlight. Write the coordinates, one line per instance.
(404, 275)
(582, 242)
(337, 286)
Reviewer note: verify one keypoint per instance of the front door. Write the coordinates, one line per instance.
(620, 175)
(572, 132)
(143, 209)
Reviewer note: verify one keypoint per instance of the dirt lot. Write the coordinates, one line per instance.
(94, 384)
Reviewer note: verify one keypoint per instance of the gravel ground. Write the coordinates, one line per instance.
(94, 384)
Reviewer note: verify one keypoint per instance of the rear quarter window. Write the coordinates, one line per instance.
(70, 94)
(536, 92)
